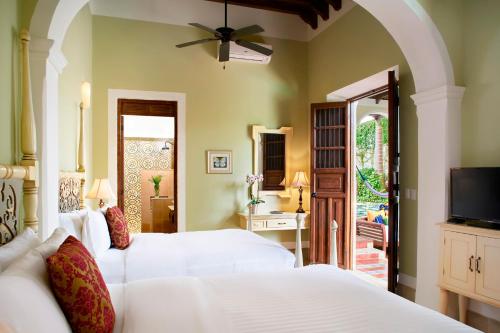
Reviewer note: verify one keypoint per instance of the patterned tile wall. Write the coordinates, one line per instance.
(142, 154)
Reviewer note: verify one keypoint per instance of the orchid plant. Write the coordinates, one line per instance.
(251, 180)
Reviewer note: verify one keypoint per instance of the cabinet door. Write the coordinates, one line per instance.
(459, 254)
(488, 267)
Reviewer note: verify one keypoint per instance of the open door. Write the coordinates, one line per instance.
(330, 192)
(393, 112)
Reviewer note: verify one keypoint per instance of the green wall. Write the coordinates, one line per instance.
(481, 104)
(9, 80)
(221, 104)
(353, 48)
(77, 49)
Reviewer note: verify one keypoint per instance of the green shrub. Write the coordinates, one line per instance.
(364, 194)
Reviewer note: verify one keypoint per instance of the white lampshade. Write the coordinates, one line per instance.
(85, 91)
(101, 189)
(300, 180)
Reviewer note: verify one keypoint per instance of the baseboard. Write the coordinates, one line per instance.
(291, 245)
(408, 280)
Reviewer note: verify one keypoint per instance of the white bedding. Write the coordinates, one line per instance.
(112, 265)
(200, 253)
(311, 299)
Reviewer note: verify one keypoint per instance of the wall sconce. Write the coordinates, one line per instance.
(84, 104)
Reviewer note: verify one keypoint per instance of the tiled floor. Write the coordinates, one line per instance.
(370, 260)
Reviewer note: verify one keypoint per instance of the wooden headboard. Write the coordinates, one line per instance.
(71, 194)
(27, 170)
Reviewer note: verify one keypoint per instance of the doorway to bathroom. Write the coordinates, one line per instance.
(147, 164)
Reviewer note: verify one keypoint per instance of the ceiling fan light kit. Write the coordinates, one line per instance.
(230, 38)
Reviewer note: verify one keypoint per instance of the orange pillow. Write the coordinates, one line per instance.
(79, 288)
(373, 214)
(118, 230)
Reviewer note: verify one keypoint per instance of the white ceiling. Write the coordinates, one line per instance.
(211, 14)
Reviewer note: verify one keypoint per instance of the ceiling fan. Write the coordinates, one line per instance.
(226, 34)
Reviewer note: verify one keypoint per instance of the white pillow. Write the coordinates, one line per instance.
(26, 282)
(73, 222)
(18, 247)
(95, 234)
(51, 244)
(28, 304)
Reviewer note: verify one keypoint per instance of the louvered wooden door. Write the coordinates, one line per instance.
(330, 155)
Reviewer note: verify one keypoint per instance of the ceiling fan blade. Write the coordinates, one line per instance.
(224, 52)
(196, 42)
(202, 27)
(250, 30)
(254, 47)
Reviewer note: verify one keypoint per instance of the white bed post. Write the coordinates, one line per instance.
(333, 248)
(299, 261)
(28, 141)
(249, 225)
(81, 157)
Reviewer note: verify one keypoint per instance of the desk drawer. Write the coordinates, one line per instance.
(258, 225)
(281, 224)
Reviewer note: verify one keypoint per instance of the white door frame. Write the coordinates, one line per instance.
(437, 98)
(180, 98)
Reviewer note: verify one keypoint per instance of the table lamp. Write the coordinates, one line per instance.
(300, 181)
(101, 189)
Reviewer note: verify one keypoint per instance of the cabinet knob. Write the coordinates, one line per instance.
(477, 265)
(314, 194)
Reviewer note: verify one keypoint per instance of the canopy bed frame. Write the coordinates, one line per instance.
(27, 170)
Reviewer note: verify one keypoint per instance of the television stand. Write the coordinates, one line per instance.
(475, 223)
(469, 266)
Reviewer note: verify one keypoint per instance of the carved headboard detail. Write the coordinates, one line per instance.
(9, 209)
(71, 196)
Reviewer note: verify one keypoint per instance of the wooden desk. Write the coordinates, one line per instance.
(284, 221)
(267, 222)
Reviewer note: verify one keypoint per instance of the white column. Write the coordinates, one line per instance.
(439, 121)
(46, 65)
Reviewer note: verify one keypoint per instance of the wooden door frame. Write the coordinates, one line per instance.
(391, 262)
(170, 112)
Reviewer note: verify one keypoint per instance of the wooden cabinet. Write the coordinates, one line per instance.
(459, 254)
(469, 265)
(161, 215)
(488, 267)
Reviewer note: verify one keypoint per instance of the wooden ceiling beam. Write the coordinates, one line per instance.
(336, 4)
(307, 10)
(322, 8)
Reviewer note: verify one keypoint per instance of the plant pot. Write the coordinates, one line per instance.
(254, 209)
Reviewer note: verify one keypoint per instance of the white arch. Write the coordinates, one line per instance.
(438, 103)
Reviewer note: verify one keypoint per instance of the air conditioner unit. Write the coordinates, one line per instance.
(240, 53)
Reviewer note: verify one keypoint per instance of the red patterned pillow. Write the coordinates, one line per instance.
(79, 288)
(118, 229)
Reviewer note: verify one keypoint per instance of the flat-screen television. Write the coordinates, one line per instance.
(475, 194)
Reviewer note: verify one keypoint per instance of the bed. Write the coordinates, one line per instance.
(152, 255)
(311, 299)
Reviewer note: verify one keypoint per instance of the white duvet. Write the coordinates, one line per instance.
(200, 253)
(311, 299)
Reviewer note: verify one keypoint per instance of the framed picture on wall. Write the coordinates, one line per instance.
(219, 161)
